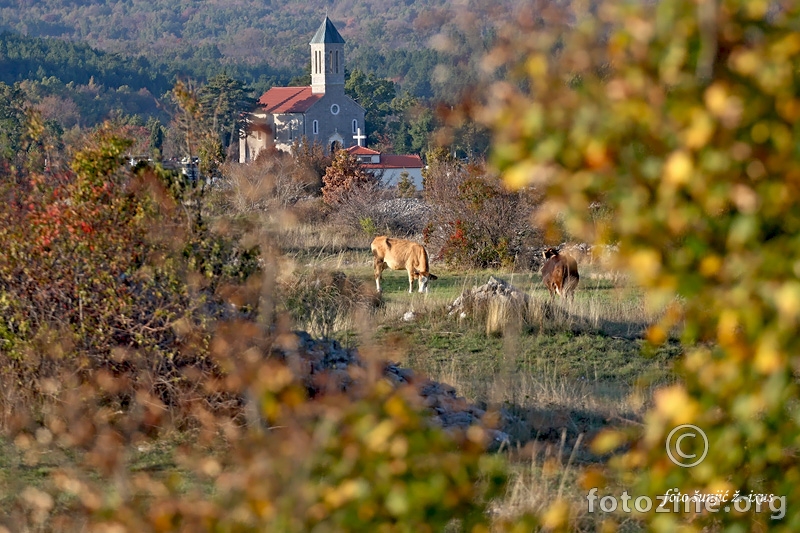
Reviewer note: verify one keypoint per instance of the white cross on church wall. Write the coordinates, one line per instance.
(358, 137)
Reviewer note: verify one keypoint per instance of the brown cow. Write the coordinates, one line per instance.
(399, 254)
(560, 273)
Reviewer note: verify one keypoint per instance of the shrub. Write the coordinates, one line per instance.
(319, 301)
(475, 221)
(405, 186)
(97, 259)
(368, 225)
(273, 181)
(312, 161)
(345, 177)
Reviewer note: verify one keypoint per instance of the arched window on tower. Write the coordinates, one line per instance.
(355, 126)
(315, 127)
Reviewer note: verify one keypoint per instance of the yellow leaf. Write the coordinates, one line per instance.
(556, 515)
(710, 265)
(350, 489)
(646, 264)
(526, 173)
(675, 404)
(678, 168)
(536, 65)
(699, 131)
(727, 327)
(606, 441)
(656, 334)
(768, 357)
(376, 439)
(596, 154)
(787, 299)
(716, 98)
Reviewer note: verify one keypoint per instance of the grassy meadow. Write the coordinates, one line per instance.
(563, 371)
(560, 371)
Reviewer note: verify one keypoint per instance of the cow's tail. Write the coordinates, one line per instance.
(427, 264)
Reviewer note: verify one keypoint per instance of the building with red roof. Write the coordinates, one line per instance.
(321, 112)
(390, 168)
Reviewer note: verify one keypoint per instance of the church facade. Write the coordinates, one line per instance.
(320, 113)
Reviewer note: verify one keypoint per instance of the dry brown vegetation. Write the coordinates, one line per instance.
(181, 430)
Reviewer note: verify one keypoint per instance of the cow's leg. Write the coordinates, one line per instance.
(572, 283)
(378, 266)
(411, 276)
(550, 287)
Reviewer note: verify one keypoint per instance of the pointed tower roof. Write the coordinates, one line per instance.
(327, 33)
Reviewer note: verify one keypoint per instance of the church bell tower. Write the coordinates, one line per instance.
(327, 60)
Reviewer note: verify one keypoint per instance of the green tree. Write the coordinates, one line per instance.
(422, 124)
(12, 128)
(156, 136)
(225, 101)
(198, 128)
(405, 186)
(375, 95)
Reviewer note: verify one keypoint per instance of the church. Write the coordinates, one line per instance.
(320, 113)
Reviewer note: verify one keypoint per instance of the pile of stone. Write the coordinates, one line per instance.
(326, 364)
(403, 215)
(476, 298)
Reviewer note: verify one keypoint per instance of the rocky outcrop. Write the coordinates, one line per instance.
(326, 365)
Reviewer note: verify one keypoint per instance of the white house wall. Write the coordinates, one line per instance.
(390, 177)
(251, 144)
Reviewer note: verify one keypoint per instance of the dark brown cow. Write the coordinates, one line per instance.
(399, 254)
(560, 273)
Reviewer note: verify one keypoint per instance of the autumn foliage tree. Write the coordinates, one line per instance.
(98, 260)
(682, 117)
(75, 244)
(345, 177)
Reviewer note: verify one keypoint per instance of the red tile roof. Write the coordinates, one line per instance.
(288, 99)
(362, 150)
(397, 161)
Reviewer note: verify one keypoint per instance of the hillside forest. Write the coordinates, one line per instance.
(84, 62)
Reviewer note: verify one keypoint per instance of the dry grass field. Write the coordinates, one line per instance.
(562, 369)
(559, 371)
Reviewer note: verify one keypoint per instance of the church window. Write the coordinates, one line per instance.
(355, 126)
(335, 109)
(336, 64)
(315, 127)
